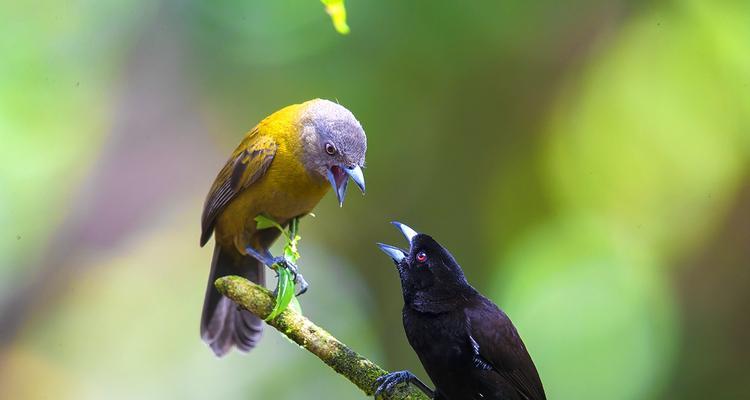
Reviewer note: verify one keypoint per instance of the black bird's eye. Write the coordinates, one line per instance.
(421, 256)
(330, 148)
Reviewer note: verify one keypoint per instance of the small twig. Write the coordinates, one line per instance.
(359, 370)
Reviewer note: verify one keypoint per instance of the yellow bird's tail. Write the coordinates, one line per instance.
(223, 324)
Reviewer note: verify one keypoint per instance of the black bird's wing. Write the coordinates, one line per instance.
(248, 163)
(498, 347)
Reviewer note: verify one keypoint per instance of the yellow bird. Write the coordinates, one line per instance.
(281, 170)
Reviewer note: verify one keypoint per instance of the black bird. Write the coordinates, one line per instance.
(468, 346)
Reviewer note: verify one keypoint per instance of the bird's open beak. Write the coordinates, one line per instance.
(405, 230)
(339, 179)
(396, 254)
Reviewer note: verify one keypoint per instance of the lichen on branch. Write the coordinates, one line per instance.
(345, 361)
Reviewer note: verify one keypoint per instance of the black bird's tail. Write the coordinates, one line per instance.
(223, 324)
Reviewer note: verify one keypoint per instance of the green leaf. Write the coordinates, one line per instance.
(295, 305)
(285, 288)
(337, 11)
(284, 293)
(263, 222)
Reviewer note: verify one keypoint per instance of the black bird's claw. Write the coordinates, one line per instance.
(386, 384)
(269, 260)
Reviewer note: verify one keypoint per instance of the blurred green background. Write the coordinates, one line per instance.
(586, 162)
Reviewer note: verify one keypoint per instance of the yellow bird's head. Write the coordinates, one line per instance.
(334, 144)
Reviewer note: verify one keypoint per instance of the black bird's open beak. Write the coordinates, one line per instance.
(405, 230)
(339, 179)
(396, 254)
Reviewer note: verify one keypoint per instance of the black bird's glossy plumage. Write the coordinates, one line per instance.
(467, 345)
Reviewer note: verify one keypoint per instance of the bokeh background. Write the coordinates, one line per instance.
(586, 161)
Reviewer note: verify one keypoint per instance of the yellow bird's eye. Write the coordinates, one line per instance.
(330, 148)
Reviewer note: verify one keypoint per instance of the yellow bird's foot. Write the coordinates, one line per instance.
(282, 262)
(297, 278)
(301, 283)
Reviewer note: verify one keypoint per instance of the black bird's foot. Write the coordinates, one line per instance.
(269, 260)
(386, 384)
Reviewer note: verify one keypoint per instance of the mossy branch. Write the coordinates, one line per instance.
(359, 370)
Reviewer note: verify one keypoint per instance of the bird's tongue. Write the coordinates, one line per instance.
(339, 175)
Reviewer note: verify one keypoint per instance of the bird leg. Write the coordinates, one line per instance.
(269, 260)
(387, 383)
(299, 280)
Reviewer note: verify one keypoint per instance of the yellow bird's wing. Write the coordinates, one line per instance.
(248, 163)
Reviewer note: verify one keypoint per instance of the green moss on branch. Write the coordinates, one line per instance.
(359, 370)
